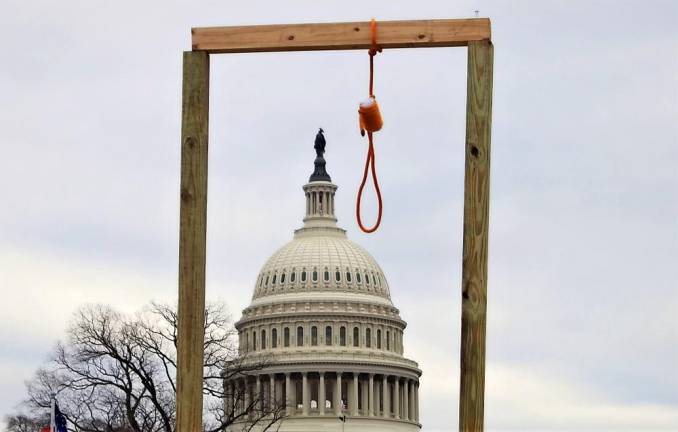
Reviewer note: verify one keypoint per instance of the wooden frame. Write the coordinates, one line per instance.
(473, 33)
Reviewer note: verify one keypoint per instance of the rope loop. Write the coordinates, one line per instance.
(369, 163)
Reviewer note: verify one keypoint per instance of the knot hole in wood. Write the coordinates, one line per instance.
(186, 194)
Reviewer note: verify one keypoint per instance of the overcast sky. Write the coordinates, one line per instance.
(583, 271)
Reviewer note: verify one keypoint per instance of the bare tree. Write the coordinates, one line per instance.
(117, 373)
(24, 423)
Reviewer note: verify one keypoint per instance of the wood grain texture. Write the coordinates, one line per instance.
(192, 238)
(340, 36)
(476, 225)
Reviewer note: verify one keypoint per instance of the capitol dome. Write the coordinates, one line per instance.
(324, 263)
(324, 333)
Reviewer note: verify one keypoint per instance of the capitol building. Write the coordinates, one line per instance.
(322, 318)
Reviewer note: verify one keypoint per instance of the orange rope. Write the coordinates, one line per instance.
(372, 52)
(369, 162)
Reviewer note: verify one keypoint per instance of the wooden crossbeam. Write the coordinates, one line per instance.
(340, 36)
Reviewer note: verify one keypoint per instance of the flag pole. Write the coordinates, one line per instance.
(52, 419)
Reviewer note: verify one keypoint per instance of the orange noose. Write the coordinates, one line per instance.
(370, 121)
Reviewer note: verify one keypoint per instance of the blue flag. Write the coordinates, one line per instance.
(59, 419)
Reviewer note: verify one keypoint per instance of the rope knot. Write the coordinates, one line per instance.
(373, 33)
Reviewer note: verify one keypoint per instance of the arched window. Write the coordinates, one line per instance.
(367, 279)
(254, 340)
(326, 276)
(266, 280)
(378, 338)
(274, 338)
(328, 335)
(337, 276)
(247, 342)
(342, 336)
(314, 336)
(282, 278)
(286, 337)
(303, 276)
(273, 281)
(368, 338)
(263, 339)
(388, 340)
(374, 281)
(300, 336)
(348, 276)
(356, 336)
(315, 275)
(261, 281)
(293, 276)
(357, 277)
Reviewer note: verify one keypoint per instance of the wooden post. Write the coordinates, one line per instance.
(192, 238)
(476, 224)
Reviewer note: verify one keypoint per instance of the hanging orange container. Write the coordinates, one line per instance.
(370, 116)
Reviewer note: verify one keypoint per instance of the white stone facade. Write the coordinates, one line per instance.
(322, 317)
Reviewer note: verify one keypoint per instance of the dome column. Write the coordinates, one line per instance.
(246, 405)
(321, 394)
(396, 398)
(412, 403)
(406, 399)
(384, 397)
(370, 396)
(377, 398)
(235, 405)
(288, 393)
(305, 394)
(337, 395)
(416, 403)
(235, 397)
(271, 392)
(364, 391)
(229, 398)
(353, 400)
(259, 399)
(240, 397)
